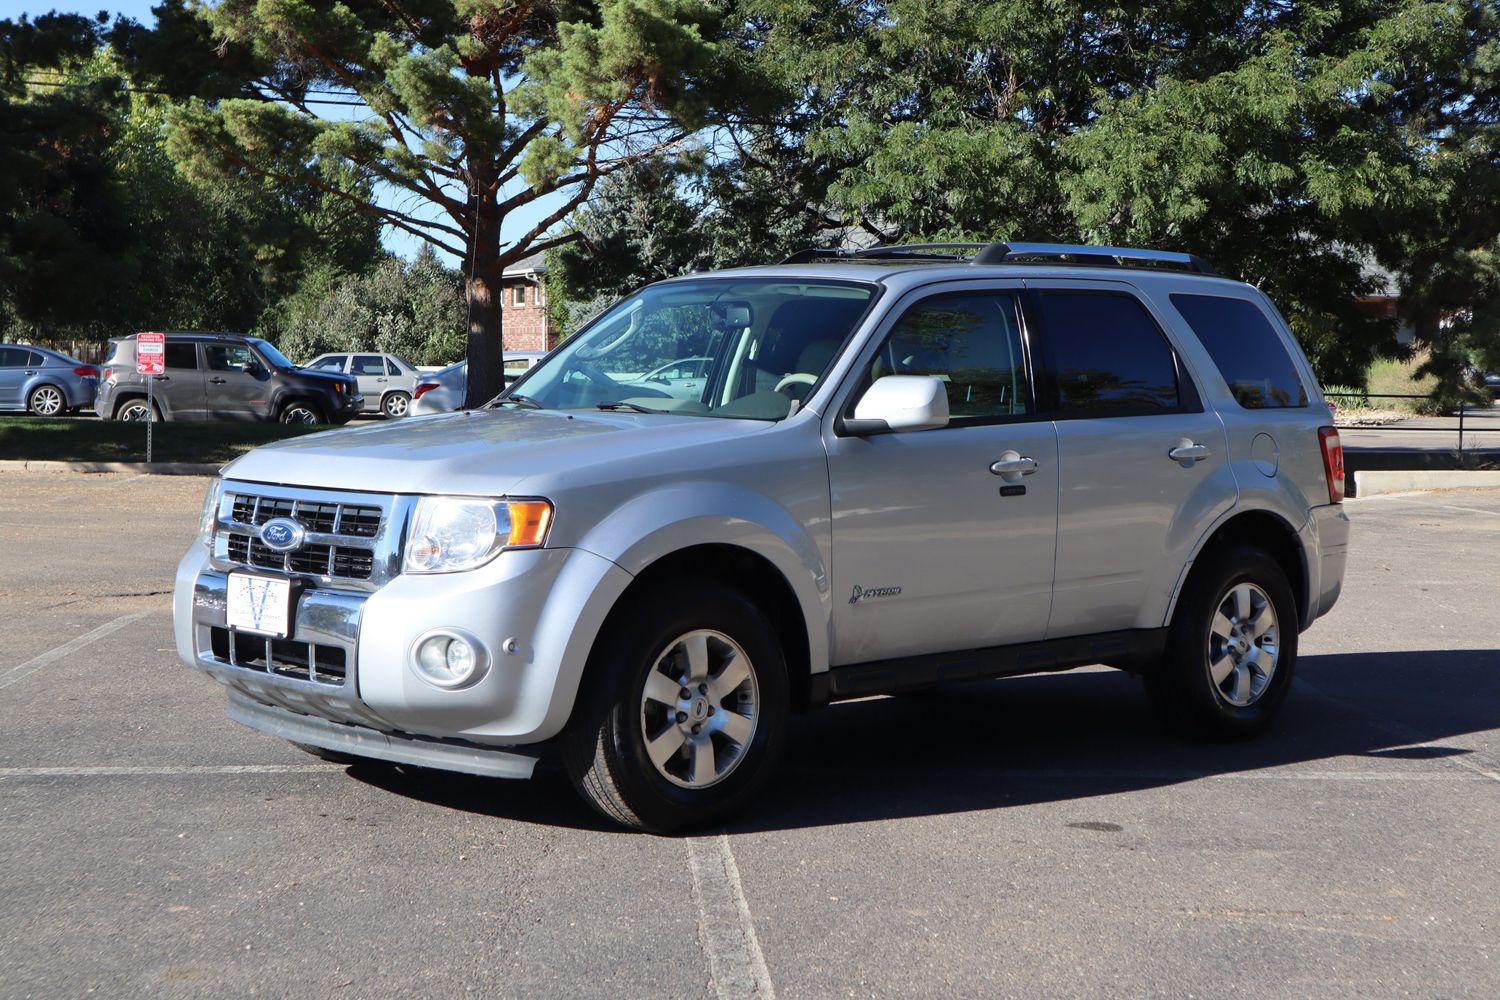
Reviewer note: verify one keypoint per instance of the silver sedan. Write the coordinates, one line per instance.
(443, 391)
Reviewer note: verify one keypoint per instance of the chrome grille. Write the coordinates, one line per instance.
(351, 538)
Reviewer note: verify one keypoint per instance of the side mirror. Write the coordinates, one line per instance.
(898, 403)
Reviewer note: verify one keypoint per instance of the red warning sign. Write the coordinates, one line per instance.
(150, 353)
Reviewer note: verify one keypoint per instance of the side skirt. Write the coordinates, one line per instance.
(1129, 649)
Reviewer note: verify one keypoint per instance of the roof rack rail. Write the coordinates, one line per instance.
(1012, 253)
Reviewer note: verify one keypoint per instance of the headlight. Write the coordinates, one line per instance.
(210, 516)
(451, 534)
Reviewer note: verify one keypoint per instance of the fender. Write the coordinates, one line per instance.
(1251, 502)
(660, 521)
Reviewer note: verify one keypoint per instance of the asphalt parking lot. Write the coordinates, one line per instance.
(1036, 837)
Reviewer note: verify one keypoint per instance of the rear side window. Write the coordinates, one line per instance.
(182, 355)
(368, 364)
(1245, 346)
(1107, 356)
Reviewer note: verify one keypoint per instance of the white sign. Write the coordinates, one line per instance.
(259, 604)
(150, 353)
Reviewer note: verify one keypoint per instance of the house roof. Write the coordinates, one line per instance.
(533, 264)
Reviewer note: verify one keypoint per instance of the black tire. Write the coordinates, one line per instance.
(1183, 688)
(301, 412)
(47, 401)
(332, 756)
(135, 408)
(605, 747)
(396, 404)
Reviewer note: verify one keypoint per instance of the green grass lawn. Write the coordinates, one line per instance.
(85, 440)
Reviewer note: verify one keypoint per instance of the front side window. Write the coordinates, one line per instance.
(767, 341)
(972, 343)
(183, 356)
(1107, 356)
(1246, 349)
(229, 358)
(330, 364)
(367, 364)
(13, 357)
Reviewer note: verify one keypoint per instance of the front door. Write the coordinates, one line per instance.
(238, 384)
(369, 371)
(932, 549)
(1142, 463)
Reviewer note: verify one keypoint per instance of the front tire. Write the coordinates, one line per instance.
(301, 413)
(685, 709)
(1231, 649)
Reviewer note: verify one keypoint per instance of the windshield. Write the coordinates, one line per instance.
(271, 354)
(722, 347)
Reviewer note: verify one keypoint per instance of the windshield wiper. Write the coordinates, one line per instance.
(622, 404)
(523, 401)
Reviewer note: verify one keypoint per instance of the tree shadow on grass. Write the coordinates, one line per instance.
(1050, 738)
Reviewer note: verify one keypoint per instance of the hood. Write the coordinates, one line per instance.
(328, 378)
(474, 453)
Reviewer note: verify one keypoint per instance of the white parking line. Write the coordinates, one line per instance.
(1418, 498)
(167, 770)
(725, 929)
(36, 663)
(1090, 774)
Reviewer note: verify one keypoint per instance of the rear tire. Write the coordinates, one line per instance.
(47, 401)
(683, 709)
(137, 411)
(395, 404)
(1231, 649)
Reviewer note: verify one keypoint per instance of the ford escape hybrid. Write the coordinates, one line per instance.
(903, 466)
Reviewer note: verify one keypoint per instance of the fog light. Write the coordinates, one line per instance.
(449, 659)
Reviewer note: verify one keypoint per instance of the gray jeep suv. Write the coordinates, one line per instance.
(904, 467)
(222, 376)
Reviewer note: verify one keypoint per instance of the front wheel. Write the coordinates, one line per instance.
(301, 413)
(685, 711)
(1231, 648)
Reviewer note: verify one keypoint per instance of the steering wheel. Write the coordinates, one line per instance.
(594, 374)
(795, 378)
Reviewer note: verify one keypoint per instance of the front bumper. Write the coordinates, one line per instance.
(348, 656)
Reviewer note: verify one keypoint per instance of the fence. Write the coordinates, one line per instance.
(1464, 410)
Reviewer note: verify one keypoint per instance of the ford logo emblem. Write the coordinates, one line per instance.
(282, 534)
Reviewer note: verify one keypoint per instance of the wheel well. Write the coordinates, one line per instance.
(289, 401)
(126, 397)
(758, 579)
(1268, 532)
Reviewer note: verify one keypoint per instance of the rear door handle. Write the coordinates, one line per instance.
(1012, 462)
(161, 378)
(1188, 452)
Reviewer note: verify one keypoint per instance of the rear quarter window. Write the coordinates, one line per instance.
(1247, 350)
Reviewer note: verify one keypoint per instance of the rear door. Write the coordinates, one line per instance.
(12, 374)
(179, 389)
(1142, 463)
(369, 371)
(933, 549)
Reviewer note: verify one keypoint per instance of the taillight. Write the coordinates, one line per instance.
(1333, 462)
(109, 373)
(86, 372)
(422, 389)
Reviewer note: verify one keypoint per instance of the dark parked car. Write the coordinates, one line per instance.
(218, 376)
(44, 382)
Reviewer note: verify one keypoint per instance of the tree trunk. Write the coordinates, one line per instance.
(486, 368)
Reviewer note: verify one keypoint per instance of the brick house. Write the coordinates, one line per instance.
(523, 306)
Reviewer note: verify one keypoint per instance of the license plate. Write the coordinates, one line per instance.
(260, 604)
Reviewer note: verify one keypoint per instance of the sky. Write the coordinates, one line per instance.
(517, 224)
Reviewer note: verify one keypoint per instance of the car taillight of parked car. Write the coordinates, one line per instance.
(107, 374)
(86, 371)
(422, 389)
(1333, 462)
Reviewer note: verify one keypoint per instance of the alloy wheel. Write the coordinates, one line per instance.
(699, 709)
(1242, 645)
(46, 401)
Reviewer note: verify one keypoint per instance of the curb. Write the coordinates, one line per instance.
(153, 468)
(1371, 482)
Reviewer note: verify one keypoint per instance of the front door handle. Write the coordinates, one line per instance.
(1187, 452)
(219, 381)
(1011, 462)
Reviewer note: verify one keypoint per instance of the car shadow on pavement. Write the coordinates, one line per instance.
(1025, 740)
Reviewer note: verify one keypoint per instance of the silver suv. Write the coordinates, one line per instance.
(904, 467)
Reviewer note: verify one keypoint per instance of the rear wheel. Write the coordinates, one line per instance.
(395, 404)
(299, 412)
(685, 710)
(46, 401)
(137, 411)
(1231, 649)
